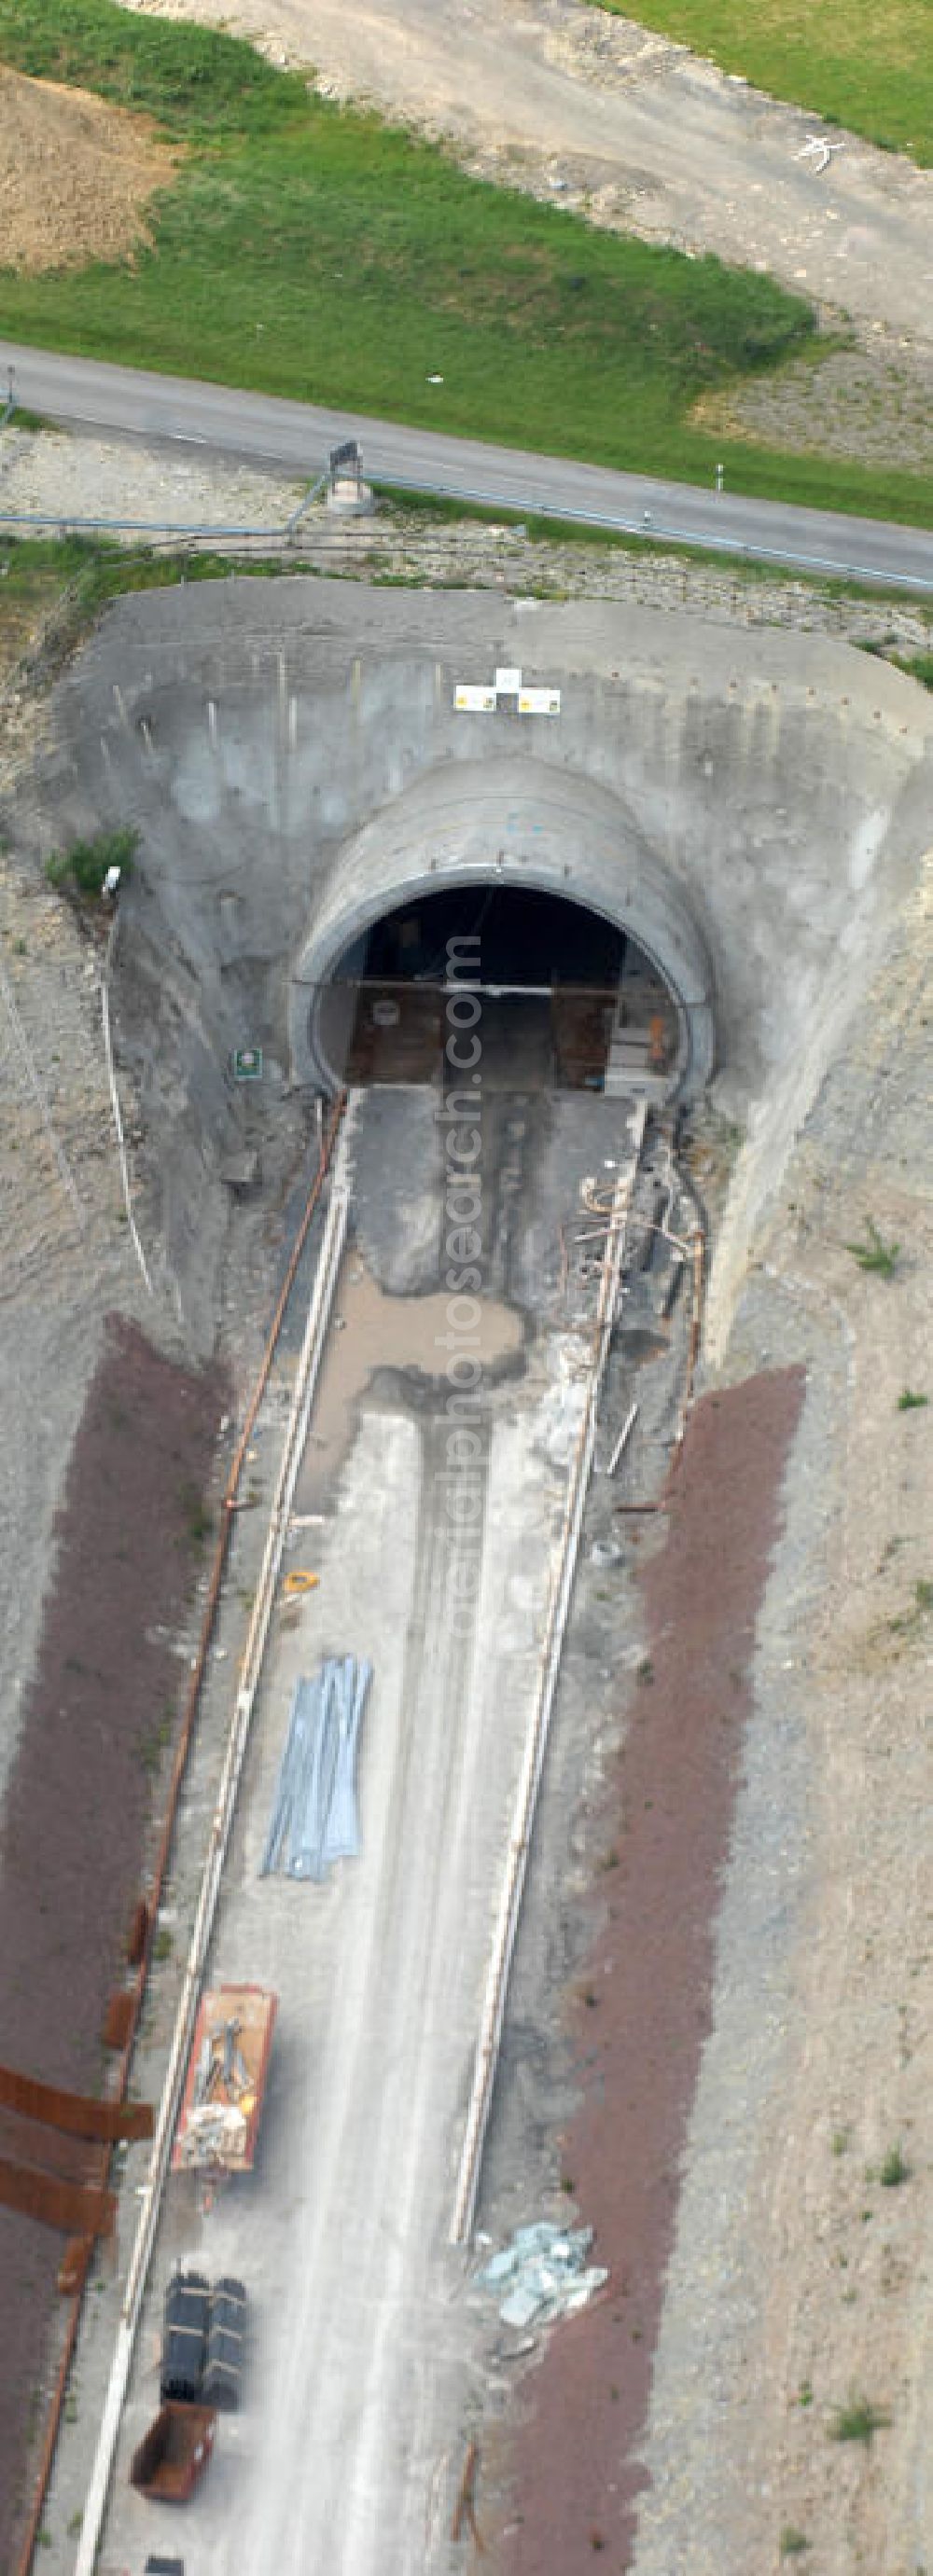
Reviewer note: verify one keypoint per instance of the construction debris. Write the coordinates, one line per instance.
(314, 1817)
(298, 1582)
(225, 2080)
(544, 2274)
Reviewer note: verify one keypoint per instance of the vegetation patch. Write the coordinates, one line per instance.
(919, 666)
(83, 868)
(859, 2421)
(306, 250)
(850, 62)
(53, 588)
(873, 1253)
(907, 1622)
(894, 2170)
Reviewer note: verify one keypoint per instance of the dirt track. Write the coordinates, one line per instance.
(557, 96)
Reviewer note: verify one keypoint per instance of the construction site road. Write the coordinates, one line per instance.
(85, 393)
(363, 2338)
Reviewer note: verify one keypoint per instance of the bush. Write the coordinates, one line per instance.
(874, 1253)
(894, 2170)
(82, 869)
(859, 2421)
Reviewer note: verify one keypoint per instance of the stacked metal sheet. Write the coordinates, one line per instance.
(314, 1817)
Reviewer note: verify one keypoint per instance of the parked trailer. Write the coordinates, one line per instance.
(225, 2081)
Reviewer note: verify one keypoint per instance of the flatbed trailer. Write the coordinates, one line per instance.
(225, 2081)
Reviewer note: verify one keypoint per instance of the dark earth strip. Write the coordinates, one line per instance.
(640, 2016)
(103, 1707)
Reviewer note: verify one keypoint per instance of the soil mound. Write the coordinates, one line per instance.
(75, 175)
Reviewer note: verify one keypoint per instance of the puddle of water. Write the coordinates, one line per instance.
(381, 1331)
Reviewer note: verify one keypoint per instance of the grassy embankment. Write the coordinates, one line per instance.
(849, 61)
(308, 251)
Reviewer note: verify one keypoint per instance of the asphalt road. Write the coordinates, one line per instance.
(85, 393)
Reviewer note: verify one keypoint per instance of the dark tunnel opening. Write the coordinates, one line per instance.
(567, 999)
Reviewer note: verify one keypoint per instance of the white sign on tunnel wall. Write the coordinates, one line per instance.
(539, 702)
(483, 701)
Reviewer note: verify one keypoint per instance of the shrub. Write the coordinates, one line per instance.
(894, 2170)
(82, 869)
(874, 1253)
(859, 2421)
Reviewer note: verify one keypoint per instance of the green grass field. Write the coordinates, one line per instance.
(853, 62)
(315, 253)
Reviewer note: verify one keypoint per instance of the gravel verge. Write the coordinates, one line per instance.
(640, 2017)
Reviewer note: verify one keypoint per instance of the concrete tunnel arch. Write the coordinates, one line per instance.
(518, 823)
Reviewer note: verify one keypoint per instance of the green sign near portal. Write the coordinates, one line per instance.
(247, 1064)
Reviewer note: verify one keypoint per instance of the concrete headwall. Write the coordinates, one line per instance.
(751, 803)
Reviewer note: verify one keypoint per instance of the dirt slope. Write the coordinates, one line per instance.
(75, 175)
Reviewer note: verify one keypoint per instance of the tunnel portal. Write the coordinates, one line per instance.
(560, 997)
(532, 888)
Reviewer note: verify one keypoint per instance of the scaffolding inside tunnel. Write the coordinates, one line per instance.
(567, 1001)
(556, 1037)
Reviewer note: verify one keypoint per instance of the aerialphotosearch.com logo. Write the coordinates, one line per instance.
(462, 1479)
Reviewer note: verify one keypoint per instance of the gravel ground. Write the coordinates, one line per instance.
(870, 402)
(71, 478)
(641, 2014)
(66, 1263)
(99, 1714)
